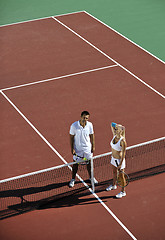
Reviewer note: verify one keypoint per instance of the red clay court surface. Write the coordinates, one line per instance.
(76, 63)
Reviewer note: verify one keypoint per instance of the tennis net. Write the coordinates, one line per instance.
(30, 191)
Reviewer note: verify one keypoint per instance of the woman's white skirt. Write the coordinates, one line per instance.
(113, 162)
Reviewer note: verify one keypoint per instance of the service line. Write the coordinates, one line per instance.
(57, 78)
(125, 69)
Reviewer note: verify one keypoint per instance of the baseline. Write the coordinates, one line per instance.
(38, 19)
(30, 20)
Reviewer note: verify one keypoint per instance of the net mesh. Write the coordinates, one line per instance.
(22, 194)
(141, 161)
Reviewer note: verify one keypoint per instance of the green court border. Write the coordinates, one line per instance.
(141, 21)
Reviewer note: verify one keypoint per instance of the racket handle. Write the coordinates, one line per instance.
(116, 163)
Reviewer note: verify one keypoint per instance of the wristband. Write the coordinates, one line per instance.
(113, 124)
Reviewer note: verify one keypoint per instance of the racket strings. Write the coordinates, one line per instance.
(122, 179)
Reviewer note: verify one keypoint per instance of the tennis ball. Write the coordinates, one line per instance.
(85, 158)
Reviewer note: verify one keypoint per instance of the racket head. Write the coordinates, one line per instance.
(80, 160)
(122, 179)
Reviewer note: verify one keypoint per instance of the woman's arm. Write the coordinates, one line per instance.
(113, 125)
(123, 151)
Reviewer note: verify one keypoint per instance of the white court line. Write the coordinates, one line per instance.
(66, 162)
(34, 128)
(70, 164)
(38, 19)
(125, 37)
(131, 147)
(56, 78)
(91, 45)
(56, 152)
(26, 21)
(10, 24)
(139, 79)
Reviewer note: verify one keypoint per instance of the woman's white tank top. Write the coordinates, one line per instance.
(116, 146)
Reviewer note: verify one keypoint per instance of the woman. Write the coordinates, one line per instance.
(118, 146)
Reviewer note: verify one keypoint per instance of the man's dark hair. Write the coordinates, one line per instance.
(85, 113)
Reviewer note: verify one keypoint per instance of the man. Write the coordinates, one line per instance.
(82, 141)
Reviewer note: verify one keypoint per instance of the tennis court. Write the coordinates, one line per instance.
(53, 69)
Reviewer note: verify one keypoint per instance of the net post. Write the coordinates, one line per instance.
(92, 175)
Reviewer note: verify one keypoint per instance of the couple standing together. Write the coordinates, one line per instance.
(82, 141)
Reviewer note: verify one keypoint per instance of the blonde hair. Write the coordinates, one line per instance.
(122, 130)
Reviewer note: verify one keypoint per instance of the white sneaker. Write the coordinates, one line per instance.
(71, 184)
(95, 181)
(121, 194)
(111, 187)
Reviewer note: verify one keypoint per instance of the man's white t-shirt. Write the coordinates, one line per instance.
(81, 136)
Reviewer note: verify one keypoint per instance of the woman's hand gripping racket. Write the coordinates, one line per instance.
(122, 177)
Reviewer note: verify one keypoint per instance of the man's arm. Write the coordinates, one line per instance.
(72, 144)
(92, 139)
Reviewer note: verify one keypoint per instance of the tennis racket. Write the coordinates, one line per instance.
(122, 177)
(81, 160)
